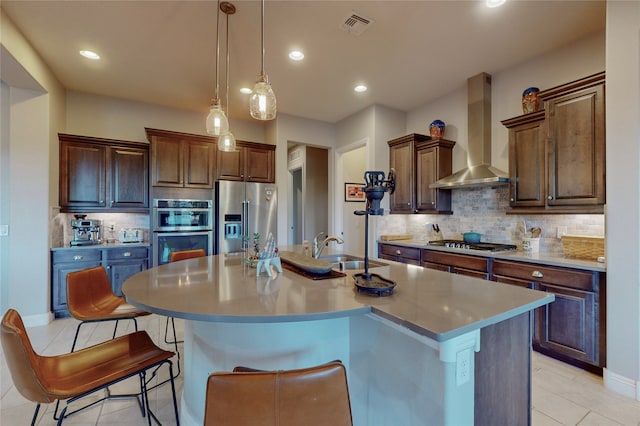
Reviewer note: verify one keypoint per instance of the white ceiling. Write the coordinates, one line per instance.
(163, 52)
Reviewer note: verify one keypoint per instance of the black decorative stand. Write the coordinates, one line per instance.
(376, 186)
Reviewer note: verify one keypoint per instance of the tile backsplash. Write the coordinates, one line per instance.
(483, 210)
(62, 233)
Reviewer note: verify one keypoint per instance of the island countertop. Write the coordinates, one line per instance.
(431, 303)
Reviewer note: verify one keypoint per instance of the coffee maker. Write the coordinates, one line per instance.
(85, 231)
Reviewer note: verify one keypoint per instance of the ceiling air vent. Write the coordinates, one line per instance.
(356, 23)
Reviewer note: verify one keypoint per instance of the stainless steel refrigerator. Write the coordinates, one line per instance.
(244, 208)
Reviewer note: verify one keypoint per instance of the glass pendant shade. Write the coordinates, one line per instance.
(227, 142)
(217, 122)
(263, 101)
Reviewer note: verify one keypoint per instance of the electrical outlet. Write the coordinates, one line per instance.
(463, 367)
(562, 230)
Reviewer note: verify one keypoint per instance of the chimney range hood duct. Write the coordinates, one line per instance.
(479, 171)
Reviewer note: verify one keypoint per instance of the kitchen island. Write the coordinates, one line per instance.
(443, 349)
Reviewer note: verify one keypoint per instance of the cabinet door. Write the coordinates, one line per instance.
(433, 163)
(199, 164)
(259, 165)
(83, 175)
(568, 325)
(436, 266)
(401, 159)
(129, 178)
(576, 136)
(230, 165)
(470, 273)
(167, 162)
(527, 183)
(121, 270)
(426, 174)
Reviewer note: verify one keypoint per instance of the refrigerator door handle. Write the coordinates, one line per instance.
(245, 225)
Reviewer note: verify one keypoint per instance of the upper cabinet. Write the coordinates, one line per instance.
(419, 161)
(557, 156)
(182, 160)
(103, 175)
(251, 162)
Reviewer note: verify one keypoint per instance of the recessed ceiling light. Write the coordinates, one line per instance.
(360, 88)
(90, 54)
(296, 55)
(246, 90)
(495, 3)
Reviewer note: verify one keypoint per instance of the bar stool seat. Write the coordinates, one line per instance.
(72, 376)
(314, 396)
(90, 299)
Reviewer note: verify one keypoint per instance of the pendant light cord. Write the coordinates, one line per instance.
(227, 63)
(217, 50)
(262, 37)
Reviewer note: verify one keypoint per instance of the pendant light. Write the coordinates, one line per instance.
(263, 101)
(217, 122)
(226, 141)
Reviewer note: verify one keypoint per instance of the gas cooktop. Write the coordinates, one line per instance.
(472, 246)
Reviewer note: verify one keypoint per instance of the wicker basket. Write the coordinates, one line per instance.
(583, 246)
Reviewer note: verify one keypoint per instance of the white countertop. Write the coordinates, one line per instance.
(432, 303)
(544, 258)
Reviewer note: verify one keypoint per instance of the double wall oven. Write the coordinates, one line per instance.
(181, 225)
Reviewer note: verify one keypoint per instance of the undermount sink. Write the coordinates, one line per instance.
(343, 262)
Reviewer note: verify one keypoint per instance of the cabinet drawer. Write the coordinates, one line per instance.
(460, 260)
(127, 253)
(547, 274)
(406, 252)
(88, 255)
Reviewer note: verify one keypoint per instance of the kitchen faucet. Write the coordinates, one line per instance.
(319, 246)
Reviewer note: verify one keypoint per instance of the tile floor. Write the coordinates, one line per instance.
(562, 394)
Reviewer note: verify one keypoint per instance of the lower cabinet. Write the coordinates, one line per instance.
(410, 255)
(120, 263)
(473, 266)
(572, 328)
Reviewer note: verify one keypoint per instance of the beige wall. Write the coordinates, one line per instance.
(32, 115)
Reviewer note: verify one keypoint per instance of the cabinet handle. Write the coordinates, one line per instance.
(550, 197)
(433, 202)
(77, 257)
(398, 252)
(409, 204)
(537, 274)
(511, 199)
(127, 254)
(101, 201)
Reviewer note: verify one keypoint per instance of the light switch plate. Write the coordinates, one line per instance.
(4, 230)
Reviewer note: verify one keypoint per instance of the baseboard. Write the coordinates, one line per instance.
(37, 320)
(623, 385)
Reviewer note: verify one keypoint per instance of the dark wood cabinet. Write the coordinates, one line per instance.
(572, 328)
(473, 266)
(410, 255)
(181, 160)
(527, 161)
(103, 175)
(557, 155)
(252, 162)
(420, 161)
(119, 262)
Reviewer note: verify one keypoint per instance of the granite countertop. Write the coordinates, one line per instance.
(432, 303)
(116, 244)
(543, 258)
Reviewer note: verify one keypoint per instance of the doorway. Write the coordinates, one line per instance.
(308, 187)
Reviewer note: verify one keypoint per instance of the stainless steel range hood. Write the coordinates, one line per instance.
(479, 171)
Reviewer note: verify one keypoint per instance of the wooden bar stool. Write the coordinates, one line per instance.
(72, 376)
(315, 396)
(90, 299)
